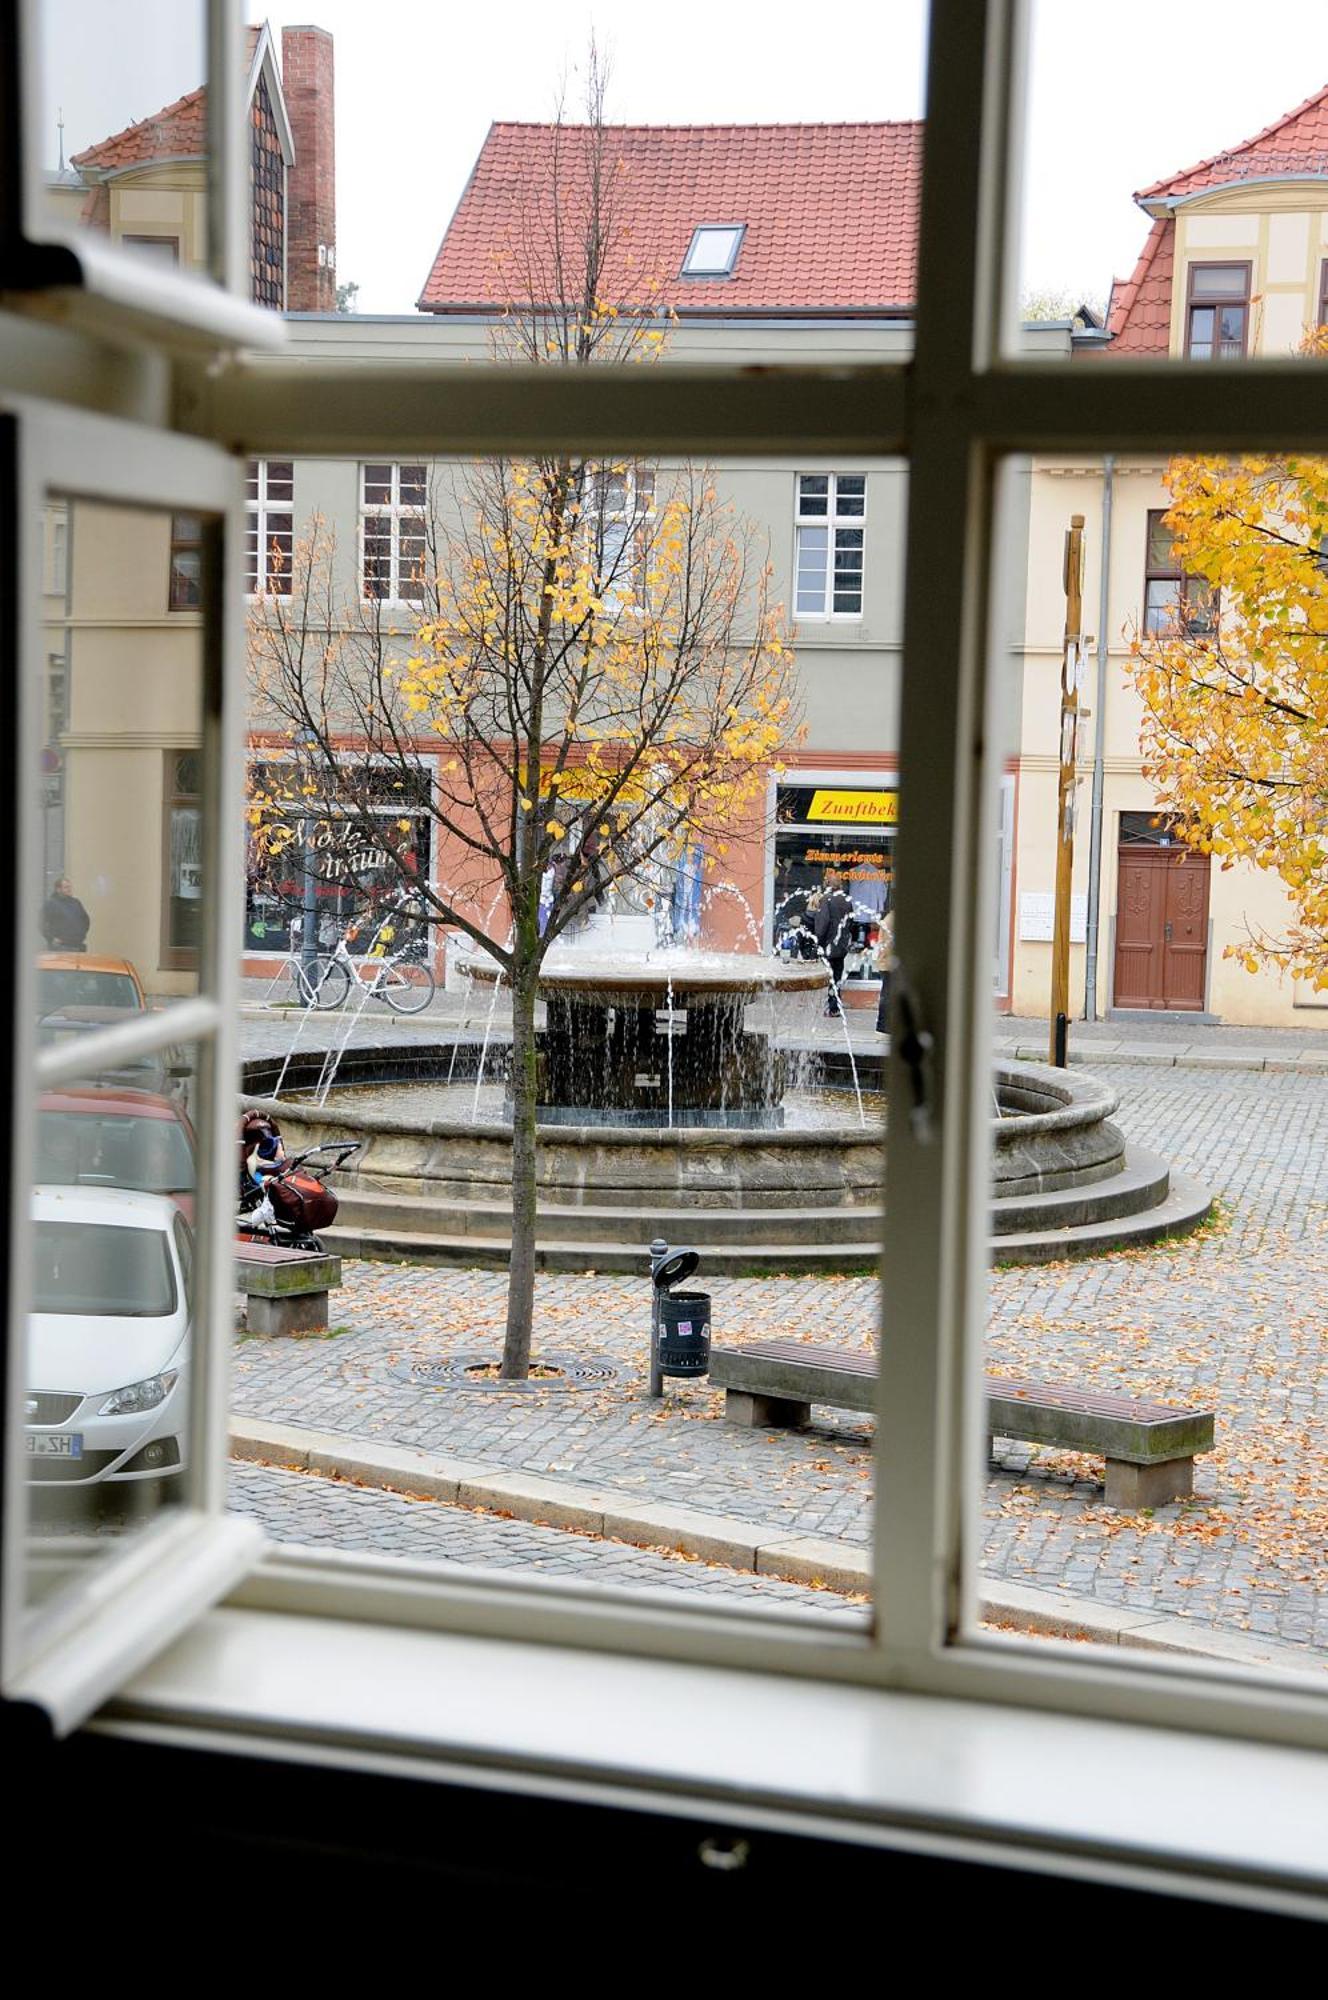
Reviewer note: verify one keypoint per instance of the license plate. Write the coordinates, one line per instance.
(55, 1444)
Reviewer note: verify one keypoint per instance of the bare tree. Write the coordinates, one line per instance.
(596, 675)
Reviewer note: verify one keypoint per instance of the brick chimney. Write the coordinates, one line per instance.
(311, 215)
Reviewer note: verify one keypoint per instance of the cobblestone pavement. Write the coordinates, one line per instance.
(295, 1507)
(1236, 1315)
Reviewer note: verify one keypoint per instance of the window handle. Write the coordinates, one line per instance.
(915, 1051)
(1166, 932)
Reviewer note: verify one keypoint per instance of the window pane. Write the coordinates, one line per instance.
(121, 858)
(1218, 281)
(1210, 203)
(106, 1409)
(850, 494)
(280, 480)
(779, 879)
(377, 485)
(122, 125)
(413, 485)
(813, 493)
(1160, 552)
(1161, 605)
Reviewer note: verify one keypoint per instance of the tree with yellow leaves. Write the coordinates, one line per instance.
(595, 678)
(1234, 682)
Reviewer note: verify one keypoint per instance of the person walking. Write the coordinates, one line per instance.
(64, 921)
(831, 925)
(883, 965)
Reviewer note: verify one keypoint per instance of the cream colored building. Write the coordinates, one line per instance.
(1235, 264)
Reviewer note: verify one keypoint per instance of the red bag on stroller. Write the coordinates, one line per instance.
(301, 1200)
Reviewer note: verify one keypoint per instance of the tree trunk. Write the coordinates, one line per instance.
(521, 1283)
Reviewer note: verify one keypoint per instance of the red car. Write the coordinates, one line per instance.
(106, 1135)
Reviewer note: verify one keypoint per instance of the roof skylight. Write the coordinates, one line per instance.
(714, 250)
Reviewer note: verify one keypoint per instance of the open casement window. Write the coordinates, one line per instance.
(956, 413)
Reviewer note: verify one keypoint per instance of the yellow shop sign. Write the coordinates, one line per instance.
(854, 808)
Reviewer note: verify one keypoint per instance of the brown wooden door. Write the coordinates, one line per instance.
(1161, 928)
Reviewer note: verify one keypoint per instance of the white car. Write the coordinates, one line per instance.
(108, 1339)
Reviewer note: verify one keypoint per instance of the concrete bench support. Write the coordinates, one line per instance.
(286, 1291)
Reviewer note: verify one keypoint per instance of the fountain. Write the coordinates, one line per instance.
(673, 1105)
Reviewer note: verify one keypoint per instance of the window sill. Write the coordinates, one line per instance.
(1237, 1821)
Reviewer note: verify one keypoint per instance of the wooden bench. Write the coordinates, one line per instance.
(285, 1290)
(1149, 1448)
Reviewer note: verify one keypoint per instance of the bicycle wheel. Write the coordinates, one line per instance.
(406, 985)
(328, 985)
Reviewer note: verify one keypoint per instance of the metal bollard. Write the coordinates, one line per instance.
(659, 1251)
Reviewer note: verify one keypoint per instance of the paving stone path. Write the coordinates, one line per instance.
(1236, 1315)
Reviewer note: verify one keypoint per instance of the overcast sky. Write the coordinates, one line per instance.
(1122, 94)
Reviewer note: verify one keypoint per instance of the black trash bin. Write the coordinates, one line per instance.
(684, 1333)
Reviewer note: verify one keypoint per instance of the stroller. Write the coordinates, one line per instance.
(282, 1200)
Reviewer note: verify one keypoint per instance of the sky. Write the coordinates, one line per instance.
(1121, 94)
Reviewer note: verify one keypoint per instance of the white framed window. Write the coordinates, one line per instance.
(954, 417)
(831, 512)
(393, 532)
(269, 546)
(620, 506)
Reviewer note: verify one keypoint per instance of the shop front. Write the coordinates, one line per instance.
(827, 831)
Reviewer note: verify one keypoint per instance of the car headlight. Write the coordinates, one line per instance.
(140, 1395)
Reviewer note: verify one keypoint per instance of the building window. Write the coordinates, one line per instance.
(392, 501)
(833, 835)
(1323, 293)
(620, 504)
(831, 507)
(1217, 312)
(713, 250)
(1173, 602)
(166, 249)
(182, 858)
(270, 522)
(186, 588)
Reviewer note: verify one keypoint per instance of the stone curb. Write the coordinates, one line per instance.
(736, 1544)
(1155, 1056)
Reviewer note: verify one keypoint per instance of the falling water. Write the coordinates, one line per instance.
(669, 996)
(848, 1041)
(484, 1045)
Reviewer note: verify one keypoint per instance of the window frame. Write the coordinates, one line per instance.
(834, 524)
(258, 505)
(717, 276)
(395, 513)
(183, 544)
(174, 957)
(956, 411)
(1217, 302)
(1183, 579)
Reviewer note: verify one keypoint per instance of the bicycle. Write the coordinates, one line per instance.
(324, 985)
(400, 979)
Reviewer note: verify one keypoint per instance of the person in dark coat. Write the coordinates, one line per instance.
(832, 925)
(64, 921)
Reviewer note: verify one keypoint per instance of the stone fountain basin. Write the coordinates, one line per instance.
(700, 975)
(1055, 1132)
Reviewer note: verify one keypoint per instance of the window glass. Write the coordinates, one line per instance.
(123, 138)
(711, 882)
(1199, 237)
(121, 857)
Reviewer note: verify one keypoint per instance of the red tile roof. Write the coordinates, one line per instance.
(1294, 143)
(830, 214)
(177, 132)
(1139, 317)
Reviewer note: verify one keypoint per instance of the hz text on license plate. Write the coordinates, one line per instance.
(57, 1444)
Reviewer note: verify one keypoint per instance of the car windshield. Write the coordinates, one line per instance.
(74, 986)
(99, 1149)
(100, 1269)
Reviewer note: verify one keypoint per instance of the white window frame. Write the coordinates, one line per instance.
(395, 514)
(955, 411)
(833, 524)
(715, 273)
(627, 589)
(258, 506)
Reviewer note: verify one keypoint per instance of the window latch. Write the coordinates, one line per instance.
(915, 1051)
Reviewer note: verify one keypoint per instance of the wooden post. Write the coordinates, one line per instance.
(1071, 657)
